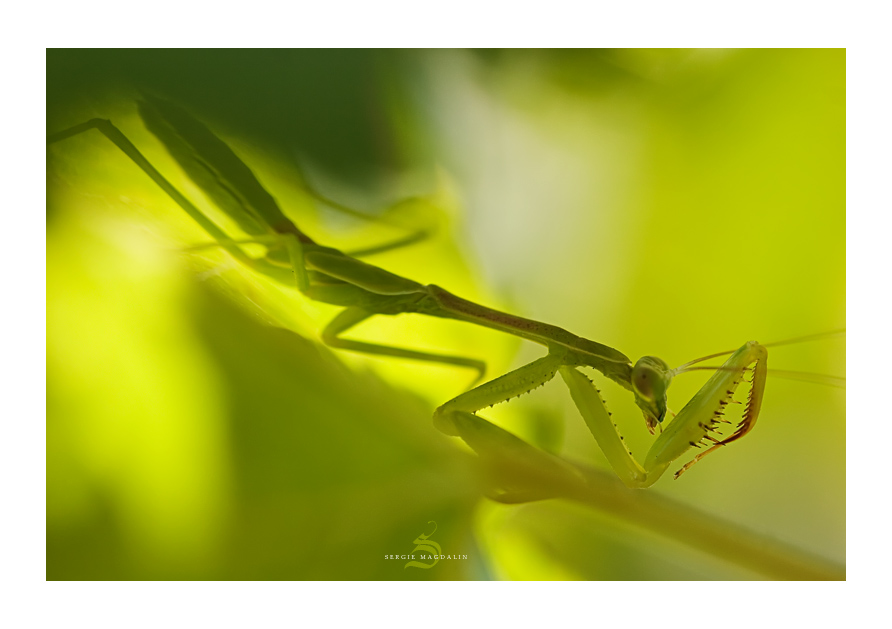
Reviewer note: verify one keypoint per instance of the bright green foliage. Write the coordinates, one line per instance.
(153, 468)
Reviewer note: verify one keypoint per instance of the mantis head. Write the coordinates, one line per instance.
(651, 378)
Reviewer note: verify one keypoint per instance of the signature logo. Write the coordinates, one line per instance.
(424, 544)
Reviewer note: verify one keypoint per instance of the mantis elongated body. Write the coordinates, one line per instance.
(331, 276)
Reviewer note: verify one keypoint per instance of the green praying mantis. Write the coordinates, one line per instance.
(333, 277)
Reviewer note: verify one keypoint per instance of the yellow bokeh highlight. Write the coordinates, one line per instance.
(133, 403)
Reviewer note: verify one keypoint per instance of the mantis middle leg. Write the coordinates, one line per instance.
(355, 315)
(534, 474)
(326, 275)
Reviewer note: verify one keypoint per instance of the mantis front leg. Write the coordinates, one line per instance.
(355, 315)
(588, 400)
(694, 426)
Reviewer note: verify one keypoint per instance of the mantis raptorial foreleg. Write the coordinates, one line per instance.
(588, 400)
(695, 425)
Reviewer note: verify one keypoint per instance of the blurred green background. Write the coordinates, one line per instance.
(667, 202)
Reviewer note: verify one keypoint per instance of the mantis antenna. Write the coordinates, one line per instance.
(803, 376)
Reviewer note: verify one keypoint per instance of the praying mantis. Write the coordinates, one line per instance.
(330, 276)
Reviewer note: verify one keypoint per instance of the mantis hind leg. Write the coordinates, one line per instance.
(355, 315)
(114, 135)
(117, 138)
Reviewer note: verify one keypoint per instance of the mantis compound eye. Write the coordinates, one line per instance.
(642, 380)
(651, 378)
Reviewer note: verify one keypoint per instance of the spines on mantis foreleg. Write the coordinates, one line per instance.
(751, 353)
